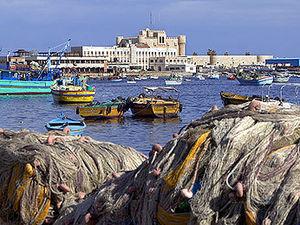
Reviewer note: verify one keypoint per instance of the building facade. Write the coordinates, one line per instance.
(72, 63)
(135, 52)
(284, 62)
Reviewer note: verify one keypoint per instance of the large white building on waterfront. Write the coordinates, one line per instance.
(135, 52)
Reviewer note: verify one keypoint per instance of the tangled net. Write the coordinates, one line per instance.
(237, 165)
(41, 175)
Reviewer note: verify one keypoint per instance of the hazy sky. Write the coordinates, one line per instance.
(236, 26)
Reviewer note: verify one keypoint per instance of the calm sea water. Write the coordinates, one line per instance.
(33, 112)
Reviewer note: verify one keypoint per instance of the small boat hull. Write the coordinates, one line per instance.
(281, 79)
(214, 76)
(156, 109)
(235, 99)
(64, 96)
(173, 82)
(256, 82)
(20, 87)
(76, 127)
(101, 111)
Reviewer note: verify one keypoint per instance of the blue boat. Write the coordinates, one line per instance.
(76, 126)
(255, 81)
(26, 82)
(31, 81)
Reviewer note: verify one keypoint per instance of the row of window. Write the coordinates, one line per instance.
(139, 53)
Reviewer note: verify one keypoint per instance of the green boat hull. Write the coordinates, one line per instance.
(21, 87)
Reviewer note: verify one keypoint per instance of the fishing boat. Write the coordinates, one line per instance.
(256, 81)
(214, 76)
(174, 80)
(73, 90)
(254, 77)
(280, 76)
(131, 81)
(105, 110)
(31, 80)
(231, 77)
(236, 99)
(62, 123)
(115, 78)
(150, 104)
(25, 82)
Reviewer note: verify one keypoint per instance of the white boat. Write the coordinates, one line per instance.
(214, 76)
(281, 79)
(154, 77)
(281, 76)
(131, 82)
(188, 80)
(144, 78)
(174, 80)
(137, 78)
(116, 80)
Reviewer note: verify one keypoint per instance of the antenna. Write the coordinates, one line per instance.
(151, 22)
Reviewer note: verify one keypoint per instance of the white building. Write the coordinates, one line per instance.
(69, 63)
(135, 52)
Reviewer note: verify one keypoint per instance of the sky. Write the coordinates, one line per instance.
(235, 26)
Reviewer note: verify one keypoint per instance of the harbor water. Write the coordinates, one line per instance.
(197, 97)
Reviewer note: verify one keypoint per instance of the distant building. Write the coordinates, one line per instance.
(72, 63)
(135, 52)
(284, 62)
(68, 63)
(176, 64)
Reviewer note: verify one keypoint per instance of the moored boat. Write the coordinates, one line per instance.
(63, 123)
(72, 91)
(214, 76)
(131, 81)
(174, 80)
(281, 76)
(106, 110)
(154, 77)
(236, 99)
(256, 81)
(150, 104)
(25, 83)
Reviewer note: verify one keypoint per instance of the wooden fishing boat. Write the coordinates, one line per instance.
(149, 104)
(236, 99)
(106, 110)
(72, 91)
(62, 122)
(256, 81)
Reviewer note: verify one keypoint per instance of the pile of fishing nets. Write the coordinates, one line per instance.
(40, 175)
(236, 165)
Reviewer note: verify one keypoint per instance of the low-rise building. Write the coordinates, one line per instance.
(284, 62)
(178, 64)
(72, 63)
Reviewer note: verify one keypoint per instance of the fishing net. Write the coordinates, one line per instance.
(236, 165)
(40, 175)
